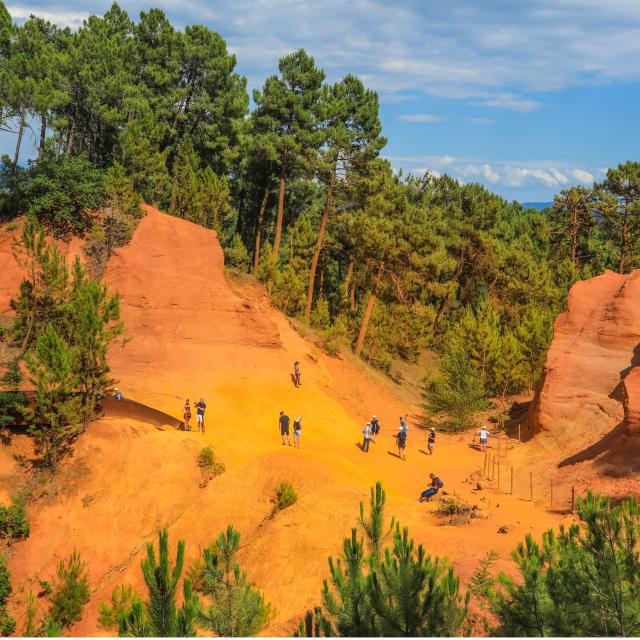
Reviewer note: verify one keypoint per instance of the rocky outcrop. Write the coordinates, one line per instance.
(595, 346)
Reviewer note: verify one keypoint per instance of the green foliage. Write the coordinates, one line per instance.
(237, 608)
(159, 616)
(285, 496)
(123, 598)
(458, 394)
(582, 580)
(62, 194)
(209, 464)
(391, 590)
(70, 593)
(7, 623)
(14, 525)
(236, 254)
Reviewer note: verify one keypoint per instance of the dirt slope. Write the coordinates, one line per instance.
(190, 335)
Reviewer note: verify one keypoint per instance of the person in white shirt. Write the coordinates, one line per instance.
(484, 434)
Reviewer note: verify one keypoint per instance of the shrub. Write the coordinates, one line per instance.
(14, 525)
(7, 623)
(70, 592)
(63, 193)
(458, 394)
(285, 496)
(209, 464)
(452, 506)
(236, 254)
(122, 599)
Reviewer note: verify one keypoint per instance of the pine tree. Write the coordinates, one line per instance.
(70, 592)
(160, 616)
(237, 608)
(287, 119)
(413, 595)
(54, 417)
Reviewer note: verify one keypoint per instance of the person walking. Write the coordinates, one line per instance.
(187, 415)
(367, 437)
(431, 441)
(297, 431)
(375, 428)
(484, 434)
(200, 406)
(283, 424)
(402, 444)
(403, 425)
(296, 373)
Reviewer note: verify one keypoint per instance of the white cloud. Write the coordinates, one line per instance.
(421, 117)
(481, 121)
(583, 176)
(61, 18)
(474, 51)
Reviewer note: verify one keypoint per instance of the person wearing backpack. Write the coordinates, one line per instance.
(434, 487)
(402, 444)
(375, 427)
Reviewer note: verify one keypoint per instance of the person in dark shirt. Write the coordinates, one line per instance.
(434, 487)
(375, 427)
(431, 441)
(284, 427)
(402, 444)
(117, 394)
(200, 406)
(297, 431)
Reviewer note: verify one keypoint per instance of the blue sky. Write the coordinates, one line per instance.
(526, 96)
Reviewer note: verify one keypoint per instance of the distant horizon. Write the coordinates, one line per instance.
(527, 102)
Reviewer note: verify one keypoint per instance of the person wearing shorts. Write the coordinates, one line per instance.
(375, 427)
(200, 406)
(283, 424)
(484, 438)
(402, 444)
(187, 415)
(297, 431)
(431, 441)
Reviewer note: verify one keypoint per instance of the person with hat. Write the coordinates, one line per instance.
(367, 437)
(117, 394)
(200, 406)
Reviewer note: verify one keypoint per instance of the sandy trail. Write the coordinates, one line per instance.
(191, 336)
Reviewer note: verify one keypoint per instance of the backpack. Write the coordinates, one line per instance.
(440, 484)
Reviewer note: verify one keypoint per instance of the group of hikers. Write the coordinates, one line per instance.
(200, 407)
(283, 426)
(372, 429)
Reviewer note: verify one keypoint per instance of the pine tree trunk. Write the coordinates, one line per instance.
(276, 242)
(43, 134)
(16, 156)
(574, 236)
(368, 311)
(256, 250)
(349, 274)
(623, 245)
(70, 137)
(318, 249)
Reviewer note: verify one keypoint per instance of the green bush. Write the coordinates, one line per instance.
(209, 464)
(458, 395)
(63, 194)
(451, 506)
(14, 525)
(284, 497)
(70, 592)
(7, 623)
(236, 254)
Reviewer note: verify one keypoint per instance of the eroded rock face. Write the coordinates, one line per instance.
(632, 402)
(594, 348)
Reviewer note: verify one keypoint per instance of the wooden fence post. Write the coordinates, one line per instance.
(519, 438)
(484, 472)
(531, 485)
(493, 472)
(573, 498)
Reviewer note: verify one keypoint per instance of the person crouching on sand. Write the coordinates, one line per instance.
(187, 415)
(434, 487)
